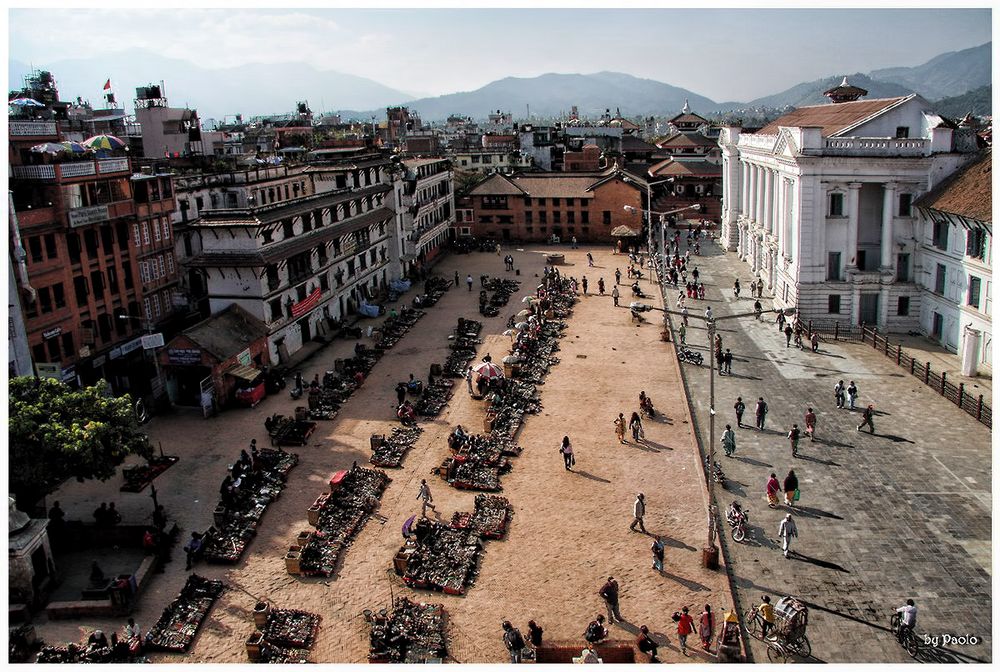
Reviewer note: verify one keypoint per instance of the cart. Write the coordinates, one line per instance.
(791, 616)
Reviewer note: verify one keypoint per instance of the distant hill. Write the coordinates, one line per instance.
(550, 94)
(811, 93)
(252, 89)
(950, 74)
(978, 101)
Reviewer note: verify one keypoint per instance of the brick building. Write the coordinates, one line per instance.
(536, 206)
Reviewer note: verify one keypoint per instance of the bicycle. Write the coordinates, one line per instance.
(905, 636)
(779, 650)
(752, 621)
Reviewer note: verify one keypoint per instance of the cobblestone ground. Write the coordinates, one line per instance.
(570, 529)
(903, 513)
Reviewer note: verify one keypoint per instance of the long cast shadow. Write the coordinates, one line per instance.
(826, 564)
(893, 438)
(676, 543)
(687, 583)
(811, 512)
(756, 463)
(587, 474)
(809, 458)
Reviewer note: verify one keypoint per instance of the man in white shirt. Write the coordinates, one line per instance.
(908, 616)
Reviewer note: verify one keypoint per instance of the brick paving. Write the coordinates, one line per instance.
(569, 531)
(903, 513)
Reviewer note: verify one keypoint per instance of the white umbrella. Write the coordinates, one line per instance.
(509, 332)
(521, 326)
(524, 313)
(488, 370)
(527, 299)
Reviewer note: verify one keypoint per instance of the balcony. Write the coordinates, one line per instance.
(876, 147)
(32, 129)
(106, 166)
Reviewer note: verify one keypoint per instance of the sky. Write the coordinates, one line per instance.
(725, 54)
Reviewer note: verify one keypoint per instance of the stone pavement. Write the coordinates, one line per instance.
(569, 531)
(904, 513)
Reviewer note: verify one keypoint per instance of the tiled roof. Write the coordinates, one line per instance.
(556, 187)
(416, 163)
(968, 192)
(688, 117)
(227, 333)
(670, 168)
(496, 185)
(832, 117)
(274, 212)
(686, 140)
(631, 143)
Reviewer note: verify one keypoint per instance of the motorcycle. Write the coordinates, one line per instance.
(738, 519)
(716, 473)
(637, 291)
(688, 355)
(406, 415)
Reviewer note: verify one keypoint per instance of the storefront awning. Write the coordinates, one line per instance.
(247, 373)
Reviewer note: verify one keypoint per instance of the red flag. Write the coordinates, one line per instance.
(107, 85)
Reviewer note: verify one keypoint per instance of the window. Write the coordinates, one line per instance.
(73, 247)
(833, 266)
(555, 202)
(275, 305)
(607, 217)
(543, 217)
(529, 217)
(465, 162)
(107, 240)
(50, 246)
(145, 233)
(902, 131)
(97, 282)
(940, 235)
(146, 308)
(113, 279)
(90, 242)
(903, 306)
(287, 228)
(156, 305)
(80, 288)
(127, 274)
(135, 232)
(143, 273)
(975, 243)
(475, 158)
(67, 344)
(585, 217)
(170, 263)
(541, 201)
(45, 300)
(939, 278)
(38, 353)
(324, 282)
(570, 202)
(266, 236)
(35, 248)
(486, 219)
(53, 345)
(570, 217)
(836, 205)
(487, 158)
(833, 304)
(903, 267)
(59, 295)
(906, 205)
(527, 200)
(557, 217)
(975, 285)
(156, 232)
(163, 268)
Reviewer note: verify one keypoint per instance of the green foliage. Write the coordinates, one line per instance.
(57, 433)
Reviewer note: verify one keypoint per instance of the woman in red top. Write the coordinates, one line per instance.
(685, 626)
(773, 488)
(706, 627)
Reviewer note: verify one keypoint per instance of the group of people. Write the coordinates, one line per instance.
(106, 515)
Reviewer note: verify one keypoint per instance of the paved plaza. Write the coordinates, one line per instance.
(570, 529)
(904, 513)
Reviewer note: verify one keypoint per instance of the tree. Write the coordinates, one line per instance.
(57, 432)
(466, 182)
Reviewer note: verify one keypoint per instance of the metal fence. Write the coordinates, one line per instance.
(956, 394)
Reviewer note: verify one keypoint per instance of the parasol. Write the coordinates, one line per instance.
(49, 148)
(524, 313)
(528, 299)
(624, 232)
(408, 524)
(521, 326)
(74, 147)
(105, 142)
(25, 102)
(488, 370)
(509, 332)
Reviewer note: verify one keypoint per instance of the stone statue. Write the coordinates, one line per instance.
(16, 520)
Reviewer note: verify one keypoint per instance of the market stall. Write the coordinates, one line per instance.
(179, 622)
(412, 632)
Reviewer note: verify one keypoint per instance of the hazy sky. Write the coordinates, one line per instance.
(724, 54)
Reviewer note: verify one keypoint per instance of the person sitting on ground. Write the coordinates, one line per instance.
(97, 640)
(96, 574)
(646, 644)
(596, 631)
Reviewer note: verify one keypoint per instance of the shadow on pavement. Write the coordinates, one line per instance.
(676, 543)
(756, 463)
(587, 474)
(687, 583)
(829, 463)
(793, 555)
(815, 513)
(652, 446)
(894, 438)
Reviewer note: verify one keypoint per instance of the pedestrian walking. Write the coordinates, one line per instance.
(736, 288)
(682, 332)
(456, 278)
(635, 424)
(729, 441)
(468, 281)
(567, 452)
(600, 286)
(685, 626)
(720, 360)
(757, 310)
(771, 490)
(761, 413)
(573, 242)
(706, 627)
(728, 361)
(780, 321)
(793, 438)
(615, 294)
(788, 335)
(814, 340)
(620, 427)
(401, 392)
(739, 407)
(867, 418)
(514, 641)
(609, 592)
(468, 380)
(535, 634)
(694, 274)
(658, 548)
(791, 488)
(618, 276)
(838, 394)
(708, 313)
(810, 420)
(585, 285)
(498, 249)
(638, 511)
(701, 291)
(426, 499)
(787, 530)
(590, 259)
(852, 394)
(684, 315)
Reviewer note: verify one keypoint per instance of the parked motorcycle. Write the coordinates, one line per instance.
(688, 355)
(715, 472)
(738, 519)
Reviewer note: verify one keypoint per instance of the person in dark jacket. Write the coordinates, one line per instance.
(646, 644)
(790, 485)
(534, 634)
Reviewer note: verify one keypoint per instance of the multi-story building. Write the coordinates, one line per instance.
(819, 203)
(427, 205)
(536, 206)
(170, 131)
(18, 351)
(955, 270)
(478, 160)
(152, 232)
(300, 263)
(691, 170)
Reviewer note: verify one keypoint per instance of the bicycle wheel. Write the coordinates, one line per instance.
(911, 644)
(739, 533)
(803, 647)
(894, 624)
(776, 654)
(752, 623)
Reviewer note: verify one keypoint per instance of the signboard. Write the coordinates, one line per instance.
(151, 341)
(99, 361)
(45, 370)
(84, 351)
(86, 216)
(69, 373)
(184, 356)
(134, 344)
(244, 357)
(51, 333)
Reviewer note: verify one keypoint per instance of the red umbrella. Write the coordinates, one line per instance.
(488, 370)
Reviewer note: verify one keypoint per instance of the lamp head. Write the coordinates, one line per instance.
(696, 206)
(629, 208)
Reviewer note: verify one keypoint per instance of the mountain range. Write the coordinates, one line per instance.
(257, 89)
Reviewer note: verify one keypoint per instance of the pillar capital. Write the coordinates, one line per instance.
(854, 185)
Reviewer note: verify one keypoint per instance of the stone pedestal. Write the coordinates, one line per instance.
(30, 559)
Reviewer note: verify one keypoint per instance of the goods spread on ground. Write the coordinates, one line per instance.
(285, 431)
(285, 636)
(434, 288)
(139, 476)
(181, 619)
(241, 507)
(434, 397)
(388, 451)
(413, 632)
(477, 461)
(394, 328)
(463, 347)
(337, 516)
(438, 556)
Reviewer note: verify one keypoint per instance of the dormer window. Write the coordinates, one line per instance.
(902, 132)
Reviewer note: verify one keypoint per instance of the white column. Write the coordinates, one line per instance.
(853, 220)
(769, 199)
(745, 193)
(888, 214)
(752, 204)
(760, 195)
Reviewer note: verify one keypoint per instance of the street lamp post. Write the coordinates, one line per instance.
(662, 216)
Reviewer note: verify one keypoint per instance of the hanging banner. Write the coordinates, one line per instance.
(307, 304)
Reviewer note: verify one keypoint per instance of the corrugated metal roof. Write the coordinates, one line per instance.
(227, 333)
(968, 192)
(832, 117)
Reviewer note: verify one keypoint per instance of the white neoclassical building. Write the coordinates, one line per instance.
(820, 202)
